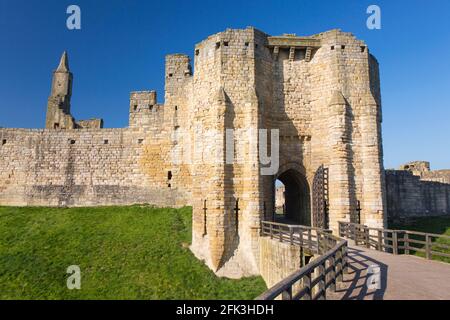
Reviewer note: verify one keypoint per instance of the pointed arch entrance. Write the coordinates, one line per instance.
(297, 196)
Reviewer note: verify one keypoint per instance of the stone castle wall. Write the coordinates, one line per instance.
(415, 191)
(87, 168)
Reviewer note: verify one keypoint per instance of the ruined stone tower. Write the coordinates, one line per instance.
(58, 107)
(318, 96)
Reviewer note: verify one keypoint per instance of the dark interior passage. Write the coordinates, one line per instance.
(296, 198)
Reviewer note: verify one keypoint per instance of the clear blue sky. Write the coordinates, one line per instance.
(122, 44)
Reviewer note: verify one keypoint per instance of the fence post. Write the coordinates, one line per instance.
(344, 260)
(271, 231)
(427, 247)
(291, 235)
(380, 240)
(307, 285)
(366, 231)
(318, 241)
(333, 273)
(395, 242)
(287, 294)
(340, 265)
(353, 232)
(322, 278)
(280, 231)
(406, 242)
(309, 238)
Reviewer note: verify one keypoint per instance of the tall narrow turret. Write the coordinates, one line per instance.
(58, 107)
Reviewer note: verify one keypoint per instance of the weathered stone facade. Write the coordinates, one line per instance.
(416, 191)
(321, 92)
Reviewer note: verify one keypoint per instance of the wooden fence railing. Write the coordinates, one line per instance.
(311, 281)
(394, 241)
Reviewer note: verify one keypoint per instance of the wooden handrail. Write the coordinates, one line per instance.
(334, 251)
(399, 241)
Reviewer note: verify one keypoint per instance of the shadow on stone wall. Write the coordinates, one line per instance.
(408, 196)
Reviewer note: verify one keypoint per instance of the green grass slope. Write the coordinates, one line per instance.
(136, 252)
(437, 225)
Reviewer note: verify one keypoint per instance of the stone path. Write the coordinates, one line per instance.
(402, 277)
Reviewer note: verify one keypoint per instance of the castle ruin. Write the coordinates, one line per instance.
(321, 92)
(415, 191)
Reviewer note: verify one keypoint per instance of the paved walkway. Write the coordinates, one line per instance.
(403, 277)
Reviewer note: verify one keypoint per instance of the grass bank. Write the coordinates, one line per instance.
(136, 252)
(437, 225)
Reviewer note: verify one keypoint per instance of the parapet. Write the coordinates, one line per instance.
(416, 166)
(178, 65)
(90, 124)
(145, 112)
(140, 99)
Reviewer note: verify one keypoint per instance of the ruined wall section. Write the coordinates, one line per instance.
(80, 168)
(145, 112)
(410, 196)
(416, 191)
(89, 124)
(178, 115)
(442, 176)
(166, 149)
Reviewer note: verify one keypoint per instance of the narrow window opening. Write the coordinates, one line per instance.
(225, 43)
(169, 185)
(176, 108)
(56, 126)
(363, 49)
(342, 47)
(247, 44)
(140, 141)
(217, 45)
(72, 141)
(332, 47)
(205, 230)
(169, 175)
(170, 75)
(3, 142)
(151, 107)
(236, 212)
(106, 141)
(135, 107)
(197, 52)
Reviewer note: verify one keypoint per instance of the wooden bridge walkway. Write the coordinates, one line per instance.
(339, 269)
(403, 277)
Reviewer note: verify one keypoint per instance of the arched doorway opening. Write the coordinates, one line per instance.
(292, 201)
